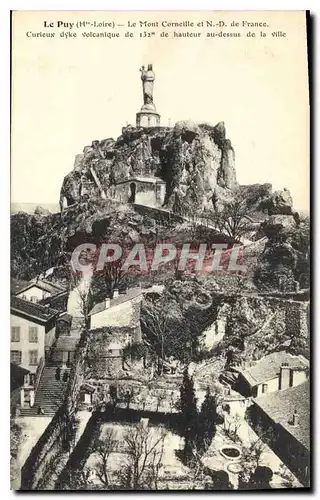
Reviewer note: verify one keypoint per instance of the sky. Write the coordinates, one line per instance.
(68, 92)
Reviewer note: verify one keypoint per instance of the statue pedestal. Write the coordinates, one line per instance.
(147, 118)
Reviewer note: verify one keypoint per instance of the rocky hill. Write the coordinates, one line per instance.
(195, 161)
(196, 164)
(42, 241)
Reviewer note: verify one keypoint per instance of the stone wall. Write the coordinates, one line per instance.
(39, 466)
(163, 217)
(52, 449)
(80, 454)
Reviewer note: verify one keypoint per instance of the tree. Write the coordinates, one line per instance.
(300, 240)
(233, 220)
(261, 478)
(134, 352)
(232, 427)
(113, 272)
(85, 303)
(144, 452)
(188, 413)
(78, 480)
(250, 460)
(220, 480)
(103, 448)
(155, 322)
(208, 418)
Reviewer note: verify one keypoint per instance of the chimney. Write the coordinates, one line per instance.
(107, 300)
(284, 381)
(115, 293)
(295, 418)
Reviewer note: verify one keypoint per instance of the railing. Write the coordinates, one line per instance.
(38, 374)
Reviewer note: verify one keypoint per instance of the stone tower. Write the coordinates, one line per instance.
(147, 116)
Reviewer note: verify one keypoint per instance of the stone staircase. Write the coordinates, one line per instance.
(49, 395)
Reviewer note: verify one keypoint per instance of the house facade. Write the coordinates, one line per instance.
(122, 311)
(148, 191)
(274, 372)
(63, 351)
(32, 332)
(37, 290)
(114, 324)
(282, 419)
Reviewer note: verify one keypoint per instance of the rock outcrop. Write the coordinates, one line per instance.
(195, 161)
(278, 267)
(280, 203)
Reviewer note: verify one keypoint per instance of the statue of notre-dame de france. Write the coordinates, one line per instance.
(147, 77)
(147, 116)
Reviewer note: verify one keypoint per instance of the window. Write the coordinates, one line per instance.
(34, 298)
(15, 357)
(33, 357)
(15, 334)
(264, 388)
(33, 334)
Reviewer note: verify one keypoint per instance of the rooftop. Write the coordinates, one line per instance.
(269, 367)
(65, 317)
(44, 285)
(36, 312)
(280, 405)
(129, 295)
(149, 180)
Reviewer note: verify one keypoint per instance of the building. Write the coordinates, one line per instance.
(282, 420)
(274, 372)
(20, 378)
(86, 393)
(63, 351)
(148, 191)
(63, 324)
(114, 324)
(32, 332)
(38, 289)
(58, 301)
(122, 311)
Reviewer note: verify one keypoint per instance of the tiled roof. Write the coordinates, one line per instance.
(149, 180)
(280, 405)
(43, 285)
(87, 388)
(66, 343)
(32, 310)
(65, 317)
(269, 367)
(131, 294)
